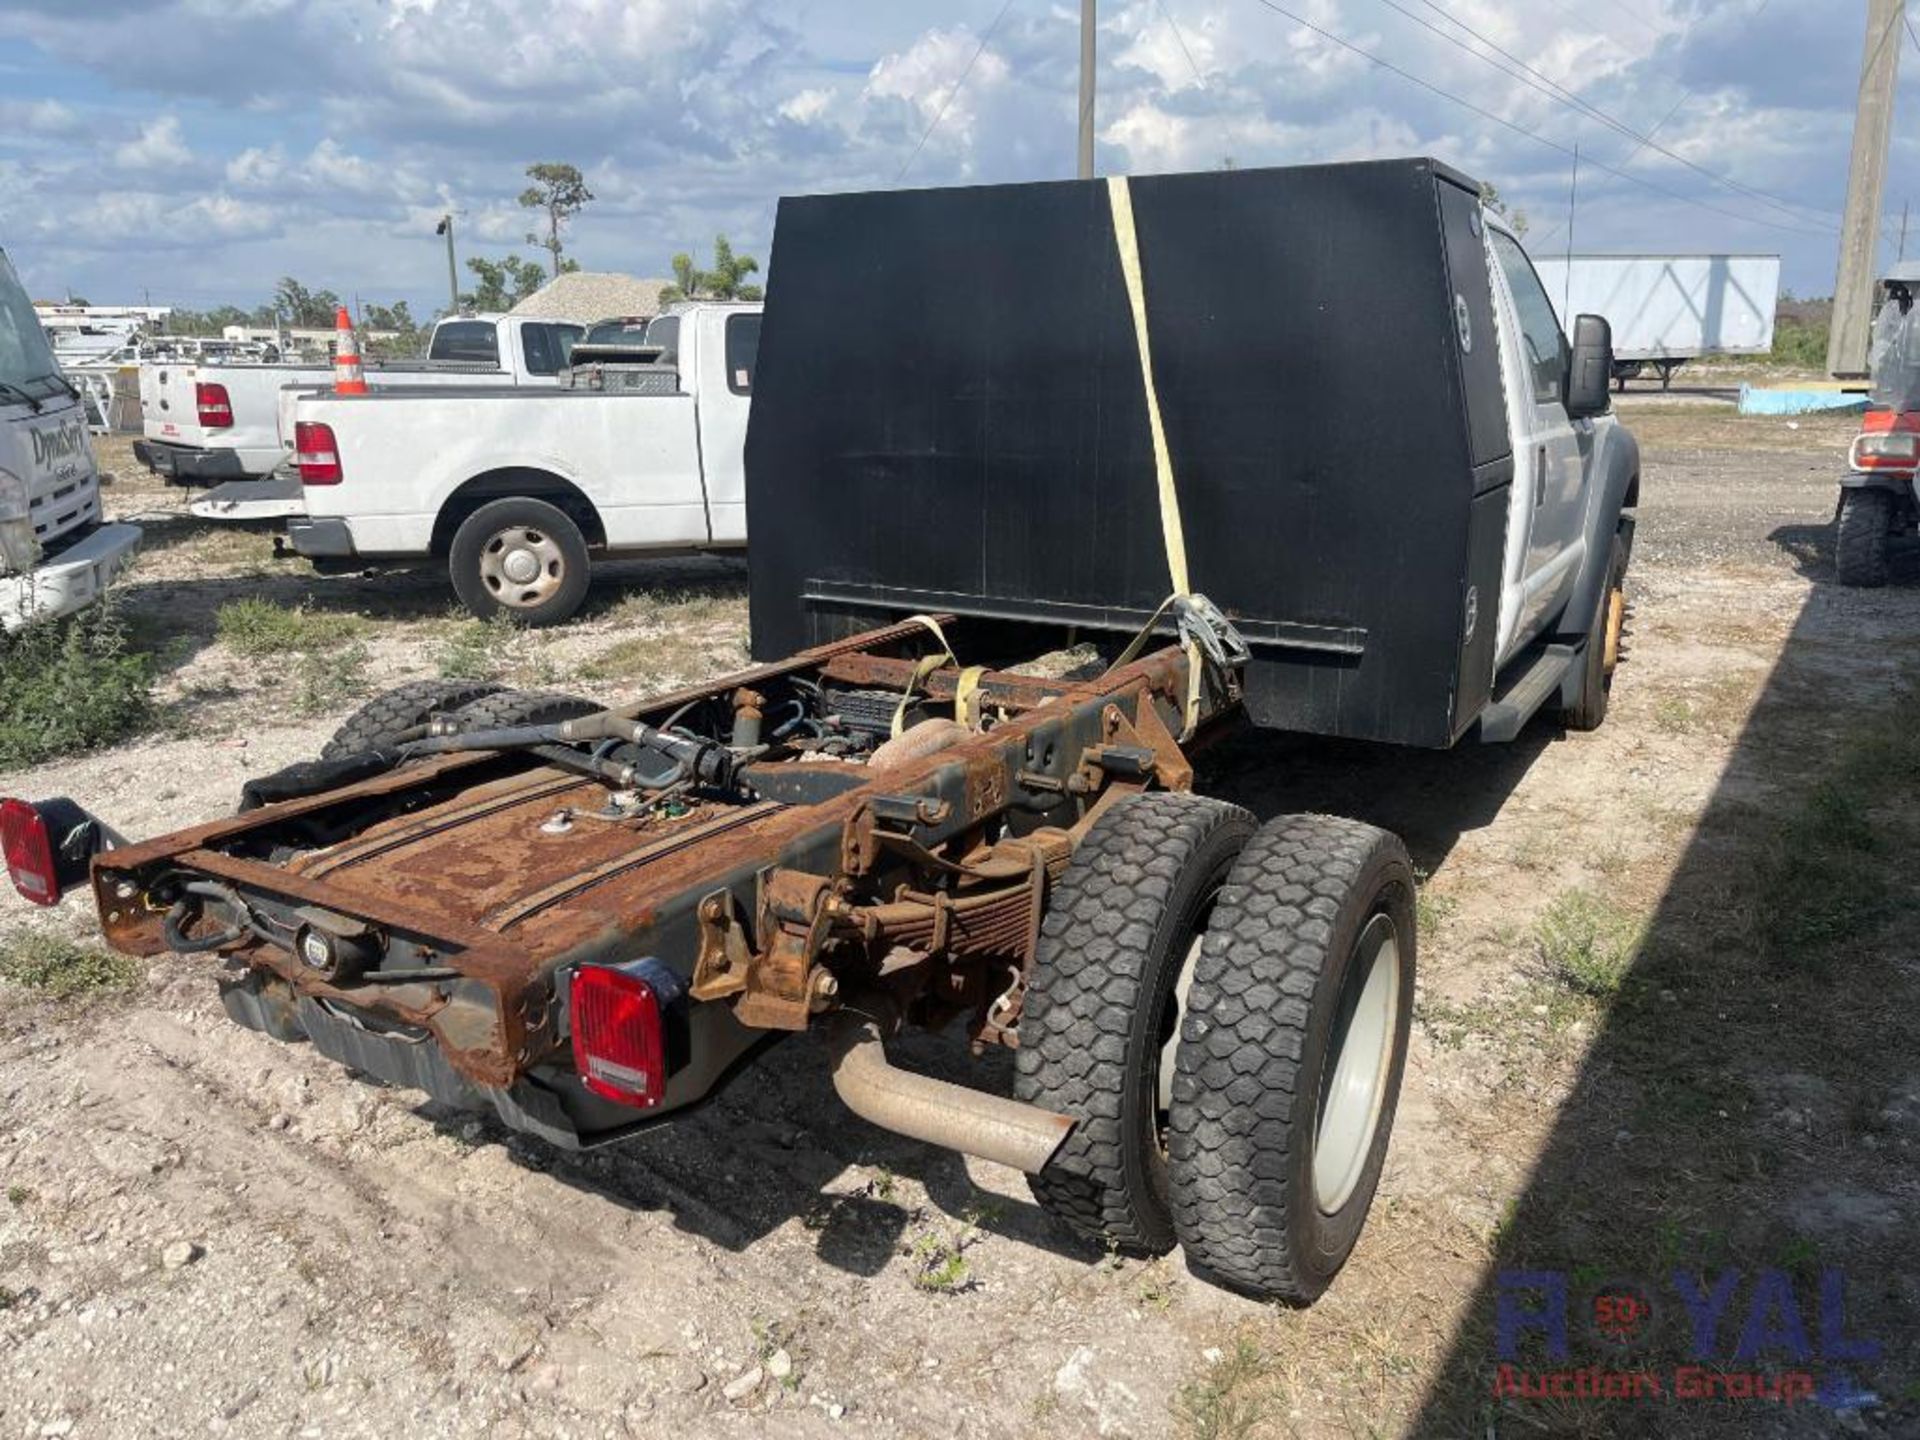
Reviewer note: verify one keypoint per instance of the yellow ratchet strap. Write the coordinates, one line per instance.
(1172, 534)
(928, 664)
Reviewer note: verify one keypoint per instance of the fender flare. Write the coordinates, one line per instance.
(1615, 496)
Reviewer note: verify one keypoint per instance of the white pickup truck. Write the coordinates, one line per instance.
(514, 490)
(55, 554)
(206, 423)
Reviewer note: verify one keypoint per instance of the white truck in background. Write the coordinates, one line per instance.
(206, 423)
(56, 555)
(1668, 309)
(515, 490)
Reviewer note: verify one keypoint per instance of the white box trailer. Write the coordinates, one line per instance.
(1668, 309)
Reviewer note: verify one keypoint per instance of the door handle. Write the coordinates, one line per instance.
(1540, 476)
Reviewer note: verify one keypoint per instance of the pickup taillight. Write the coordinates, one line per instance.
(29, 851)
(213, 405)
(315, 452)
(619, 1017)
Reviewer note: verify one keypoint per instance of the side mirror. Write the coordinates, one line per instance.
(1589, 367)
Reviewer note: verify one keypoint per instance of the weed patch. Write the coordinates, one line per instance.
(71, 685)
(327, 679)
(57, 967)
(1587, 943)
(260, 629)
(1231, 1398)
(476, 649)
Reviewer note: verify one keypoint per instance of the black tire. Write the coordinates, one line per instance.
(1268, 1006)
(1864, 533)
(1589, 709)
(377, 724)
(1117, 934)
(482, 562)
(509, 708)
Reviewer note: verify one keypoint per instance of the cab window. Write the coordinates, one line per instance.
(548, 347)
(466, 340)
(743, 352)
(1539, 327)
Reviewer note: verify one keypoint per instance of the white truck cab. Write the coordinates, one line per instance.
(1557, 458)
(55, 554)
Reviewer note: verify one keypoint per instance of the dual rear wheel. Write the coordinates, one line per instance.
(1226, 1008)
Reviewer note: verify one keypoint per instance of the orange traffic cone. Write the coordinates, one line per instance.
(348, 378)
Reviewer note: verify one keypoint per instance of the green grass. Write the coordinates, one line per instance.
(1231, 1399)
(326, 680)
(262, 630)
(71, 685)
(1800, 345)
(1431, 911)
(1673, 716)
(1588, 943)
(476, 649)
(59, 968)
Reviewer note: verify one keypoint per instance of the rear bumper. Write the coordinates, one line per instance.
(407, 1057)
(324, 538)
(186, 462)
(70, 579)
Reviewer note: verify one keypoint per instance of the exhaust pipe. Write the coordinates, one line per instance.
(936, 1111)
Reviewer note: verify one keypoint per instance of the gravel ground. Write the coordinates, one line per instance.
(205, 1232)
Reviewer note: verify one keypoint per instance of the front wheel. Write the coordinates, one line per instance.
(1602, 655)
(1865, 530)
(520, 557)
(1291, 1053)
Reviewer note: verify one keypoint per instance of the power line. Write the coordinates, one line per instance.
(1554, 90)
(941, 114)
(1520, 130)
(1172, 25)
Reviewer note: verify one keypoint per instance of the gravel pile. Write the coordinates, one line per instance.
(584, 296)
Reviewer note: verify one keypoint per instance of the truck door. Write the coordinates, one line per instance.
(726, 364)
(1550, 453)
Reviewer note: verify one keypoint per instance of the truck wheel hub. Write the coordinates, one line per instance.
(522, 566)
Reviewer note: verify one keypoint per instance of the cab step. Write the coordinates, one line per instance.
(1507, 713)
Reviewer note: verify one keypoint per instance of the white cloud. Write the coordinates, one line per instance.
(807, 106)
(160, 146)
(927, 76)
(691, 116)
(255, 168)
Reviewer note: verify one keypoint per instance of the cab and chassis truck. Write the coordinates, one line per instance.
(584, 920)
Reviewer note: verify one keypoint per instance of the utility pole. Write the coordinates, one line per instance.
(1086, 88)
(1903, 231)
(445, 227)
(1866, 180)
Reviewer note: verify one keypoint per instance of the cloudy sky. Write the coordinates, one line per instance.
(197, 150)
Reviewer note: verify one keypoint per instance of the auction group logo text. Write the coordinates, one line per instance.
(1744, 1337)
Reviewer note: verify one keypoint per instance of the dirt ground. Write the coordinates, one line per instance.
(1631, 1058)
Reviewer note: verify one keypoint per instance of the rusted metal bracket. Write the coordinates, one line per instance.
(725, 952)
(794, 921)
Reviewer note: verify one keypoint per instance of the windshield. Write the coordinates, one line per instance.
(618, 332)
(468, 340)
(26, 359)
(1895, 357)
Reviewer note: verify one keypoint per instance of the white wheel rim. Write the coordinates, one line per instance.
(1359, 1060)
(522, 566)
(1176, 1002)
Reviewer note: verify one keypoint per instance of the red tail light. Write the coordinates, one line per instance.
(214, 406)
(315, 452)
(29, 851)
(619, 1015)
